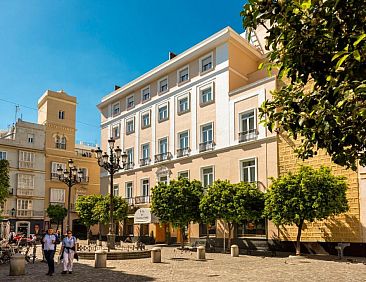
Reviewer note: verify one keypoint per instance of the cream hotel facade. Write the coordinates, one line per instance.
(195, 115)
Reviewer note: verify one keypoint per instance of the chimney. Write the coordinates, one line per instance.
(116, 87)
(172, 55)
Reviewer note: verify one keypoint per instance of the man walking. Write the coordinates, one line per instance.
(68, 250)
(49, 241)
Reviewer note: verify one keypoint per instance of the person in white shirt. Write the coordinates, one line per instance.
(49, 241)
(68, 250)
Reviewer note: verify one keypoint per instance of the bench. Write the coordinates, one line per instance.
(258, 245)
(208, 244)
(340, 247)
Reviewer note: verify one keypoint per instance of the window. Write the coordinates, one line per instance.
(252, 228)
(183, 140)
(116, 109)
(84, 170)
(2, 155)
(25, 181)
(61, 115)
(129, 153)
(130, 102)
(145, 187)
(163, 113)
(61, 142)
(207, 176)
(163, 85)
(163, 179)
(129, 190)
(206, 95)
(183, 105)
(116, 131)
(26, 159)
(145, 94)
(206, 63)
(183, 174)
(145, 120)
(30, 138)
(163, 145)
(115, 190)
(207, 133)
(54, 167)
(130, 126)
(146, 151)
(249, 171)
(57, 195)
(24, 207)
(183, 75)
(247, 126)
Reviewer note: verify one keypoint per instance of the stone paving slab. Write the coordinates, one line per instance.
(183, 266)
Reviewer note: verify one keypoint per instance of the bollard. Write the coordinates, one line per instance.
(17, 265)
(99, 243)
(100, 259)
(234, 251)
(156, 255)
(201, 252)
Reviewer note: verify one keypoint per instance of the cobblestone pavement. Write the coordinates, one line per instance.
(178, 266)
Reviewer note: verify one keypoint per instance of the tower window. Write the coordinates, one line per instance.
(61, 114)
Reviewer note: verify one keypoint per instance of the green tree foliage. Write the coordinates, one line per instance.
(56, 213)
(85, 207)
(232, 203)
(177, 202)
(307, 195)
(4, 181)
(320, 44)
(101, 211)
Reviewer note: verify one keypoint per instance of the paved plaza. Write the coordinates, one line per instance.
(178, 266)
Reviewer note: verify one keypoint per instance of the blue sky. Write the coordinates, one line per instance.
(86, 47)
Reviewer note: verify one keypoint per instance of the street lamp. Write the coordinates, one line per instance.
(70, 177)
(111, 163)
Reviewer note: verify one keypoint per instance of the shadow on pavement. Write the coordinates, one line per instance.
(82, 272)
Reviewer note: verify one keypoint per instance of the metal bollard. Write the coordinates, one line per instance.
(17, 265)
(100, 259)
(234, 251)
(201, 253)
(156, 255)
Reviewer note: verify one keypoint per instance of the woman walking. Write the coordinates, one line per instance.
(68, 250)
(49, 241)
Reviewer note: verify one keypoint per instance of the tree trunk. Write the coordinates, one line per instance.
(100, 232)
(181, 237)
(58, 223)
(299, 228)
(230, 226)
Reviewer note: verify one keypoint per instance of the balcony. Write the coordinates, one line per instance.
(129, 165)
(163, 157)
(145, 161)
(130, 201)
(183, 152)
(207, 146)
(84, 180)
(26, 164)
(29, 213)
(54, 176)
(245, 136)
(142, 200)
(25, 192)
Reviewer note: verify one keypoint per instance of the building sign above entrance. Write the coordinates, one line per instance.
(144, 216)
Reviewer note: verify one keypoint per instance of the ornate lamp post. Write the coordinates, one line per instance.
(111, 163)
(70, 177)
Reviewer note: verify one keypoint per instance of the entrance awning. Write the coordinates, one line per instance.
(144, 216)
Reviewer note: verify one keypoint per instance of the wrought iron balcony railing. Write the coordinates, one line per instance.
(142, 200)
(183, 152)
(248, 135)
(163, 157)
(206, 146)
(145, 161)
(129, 165)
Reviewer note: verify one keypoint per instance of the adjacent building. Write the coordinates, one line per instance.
(23, 145)
(57, 113)
(196, 116)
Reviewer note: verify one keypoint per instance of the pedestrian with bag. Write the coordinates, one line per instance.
(49, 241)
(68, 252)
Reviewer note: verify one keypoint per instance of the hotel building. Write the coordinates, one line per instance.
(195, 115)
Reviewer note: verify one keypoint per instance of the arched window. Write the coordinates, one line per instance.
(61, 142)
